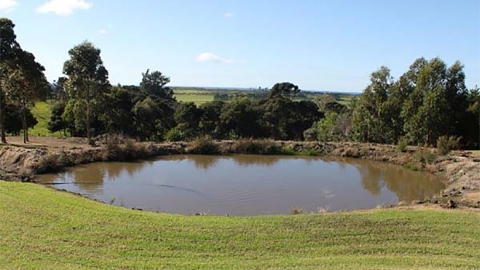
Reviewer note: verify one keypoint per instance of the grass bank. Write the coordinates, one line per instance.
(41, 228)
(42, 111)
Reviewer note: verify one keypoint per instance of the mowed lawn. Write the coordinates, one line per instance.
(41, 228)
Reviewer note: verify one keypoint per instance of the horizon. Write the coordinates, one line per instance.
(228, 44)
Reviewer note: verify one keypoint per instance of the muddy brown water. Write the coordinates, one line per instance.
(246, 184)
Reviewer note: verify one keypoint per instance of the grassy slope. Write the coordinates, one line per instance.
(42, 111)
(45, 229)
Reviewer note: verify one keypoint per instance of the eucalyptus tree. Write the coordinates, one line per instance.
(87, 82)
(8, 44)
(372, 116)
(437, 104)
(25, 83)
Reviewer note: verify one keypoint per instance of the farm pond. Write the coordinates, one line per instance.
(246, 184)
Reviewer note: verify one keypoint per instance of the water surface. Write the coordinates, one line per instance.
(246, 184)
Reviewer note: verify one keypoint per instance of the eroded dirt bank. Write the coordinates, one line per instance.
(460, 170)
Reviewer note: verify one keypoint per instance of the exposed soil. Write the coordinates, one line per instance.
(461, 170)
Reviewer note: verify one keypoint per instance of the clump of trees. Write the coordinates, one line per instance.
(22, 83)
(428, 105)
(150, 112)
(427, 102)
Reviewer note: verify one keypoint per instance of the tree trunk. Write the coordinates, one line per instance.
(24, 126)
(2, 119)
(89, 136)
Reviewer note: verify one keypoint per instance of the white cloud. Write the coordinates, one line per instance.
(64, 7)
(210, 57)
(105, 31)
(7, 4)
(228, 15)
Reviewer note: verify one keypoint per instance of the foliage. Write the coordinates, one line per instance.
(154, 84)
(8, 45)
(256, 147)
(284, 90)
(203, 146)
(175, 135)
(13, 120)
(427, 102)
(24, 84)
(87, 83)
(402, 144)
(447, 143)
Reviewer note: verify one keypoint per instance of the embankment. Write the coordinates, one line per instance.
(460, 170)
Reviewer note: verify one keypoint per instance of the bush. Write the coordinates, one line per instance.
(296, 211)
(425, 156)
(175, 135)
(113, 150)
(123, 149)
(402, 144)
(447, 143)
(203, 146)
(254, 147)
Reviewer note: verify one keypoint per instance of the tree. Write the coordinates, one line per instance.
(58, 90)
(25, 84)
(240, 119)
(187, 116)
(118, 116)
(56, 122)
(437, 103)
(147, 120)
(13, 120)
(210, 120)
(154, 85)
(372, 116)
(285, 90)
(8, 44)
(474, 108)
(87, 79)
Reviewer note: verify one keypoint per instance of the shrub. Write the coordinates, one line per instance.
(260, 147)
(175, 135)
(296, 211)
(203, 146)
(402, 144)
(113, 150)
(447, 143)
(425, 156)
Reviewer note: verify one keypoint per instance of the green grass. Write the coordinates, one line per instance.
(45, 229)
(198, 99)
(42, 111)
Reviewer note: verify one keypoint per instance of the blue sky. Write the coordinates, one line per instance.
(316, 44)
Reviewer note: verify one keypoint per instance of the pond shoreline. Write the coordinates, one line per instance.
(460, 170)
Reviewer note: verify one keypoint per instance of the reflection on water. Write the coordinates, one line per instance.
(246, 184)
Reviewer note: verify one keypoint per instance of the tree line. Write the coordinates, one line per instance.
(427, 102)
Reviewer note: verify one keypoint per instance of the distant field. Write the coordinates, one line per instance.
(195, 98)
